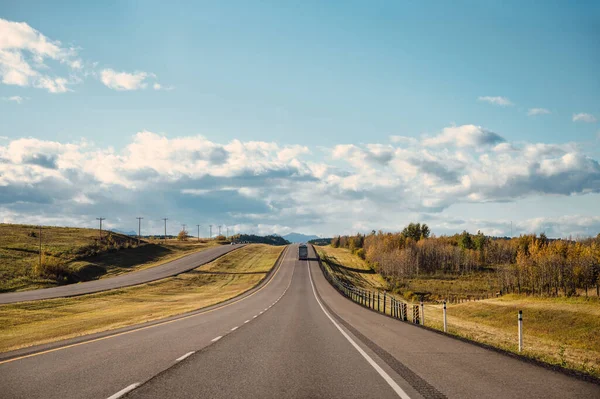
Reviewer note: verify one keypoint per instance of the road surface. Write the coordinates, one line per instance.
(294, 336)
(168, 269)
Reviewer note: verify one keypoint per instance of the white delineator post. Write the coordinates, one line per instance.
(422, 314)
(445, 321)
(520, 330)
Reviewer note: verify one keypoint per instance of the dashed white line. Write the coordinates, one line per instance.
(217, 338)
(124, 391)
(184, 356)
(234, 328)
(255, 316)
(247, 321)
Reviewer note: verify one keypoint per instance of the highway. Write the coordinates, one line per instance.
(168, 269)
(294, 336)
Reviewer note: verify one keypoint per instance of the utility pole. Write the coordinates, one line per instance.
(139, 228)
(183, 228)
(511, 229)
(198, 232)
(40, 247)
(100, 219)
(219, 229)
(210, 231)
(165, 219)
(227, 232)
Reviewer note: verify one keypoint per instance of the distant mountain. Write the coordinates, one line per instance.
(127, 233)
(297, 237)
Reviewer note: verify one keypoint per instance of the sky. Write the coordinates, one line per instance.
(280, 116)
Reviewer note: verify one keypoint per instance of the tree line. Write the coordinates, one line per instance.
(529, 263)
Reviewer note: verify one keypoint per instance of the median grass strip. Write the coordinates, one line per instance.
(32, 323)
(561, 331)
(75, 254)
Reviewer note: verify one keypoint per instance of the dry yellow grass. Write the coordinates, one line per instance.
(32, 323)
(351, 268)
(79, 254)
(561, 331)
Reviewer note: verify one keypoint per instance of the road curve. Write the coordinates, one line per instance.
(294, 337)
(168, 269)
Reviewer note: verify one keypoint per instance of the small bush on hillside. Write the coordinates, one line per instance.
(182, 236)
(52, 267)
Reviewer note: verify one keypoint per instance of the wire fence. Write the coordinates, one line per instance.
(375, 300)
(389, 305)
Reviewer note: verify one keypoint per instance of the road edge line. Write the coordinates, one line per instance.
(399, 391)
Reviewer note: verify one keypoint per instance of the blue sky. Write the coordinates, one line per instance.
(309, 77)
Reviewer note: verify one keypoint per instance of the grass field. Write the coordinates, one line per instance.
(32, 323)
(561, 331)
(80, 253)
(349, 267)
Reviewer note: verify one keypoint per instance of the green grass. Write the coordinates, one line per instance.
(32, 323)
(562, 331)
(80, 253)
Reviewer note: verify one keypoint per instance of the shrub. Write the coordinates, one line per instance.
(52, 267)
(182, 236)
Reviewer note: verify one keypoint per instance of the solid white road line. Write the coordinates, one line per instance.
(124, 391)
(184, 356)
(216, 339)
(234, 328)
(399, 391)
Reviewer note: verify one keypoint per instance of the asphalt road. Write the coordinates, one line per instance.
(168, 269)
(294, 336)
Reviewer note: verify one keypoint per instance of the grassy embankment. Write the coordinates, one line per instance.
(32, 323)
(73, 254)
(560, 331)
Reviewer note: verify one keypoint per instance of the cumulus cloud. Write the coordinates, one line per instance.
(30, 59)
(247, 183)
(464, 136)
(583, 117)
(126, 81)
(537, 111)
(24, 53)
(498, 100)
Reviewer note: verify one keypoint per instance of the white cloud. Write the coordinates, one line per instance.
(502, 101)
(30, 59)
(464, 136)
(583, 117)
(15, 99)
(245, 183)
(23, 55)
(124, 80)
(537, 111)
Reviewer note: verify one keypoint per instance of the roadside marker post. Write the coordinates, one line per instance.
(384, 301)
(520, 330)
(445, 320)
(422, 314)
